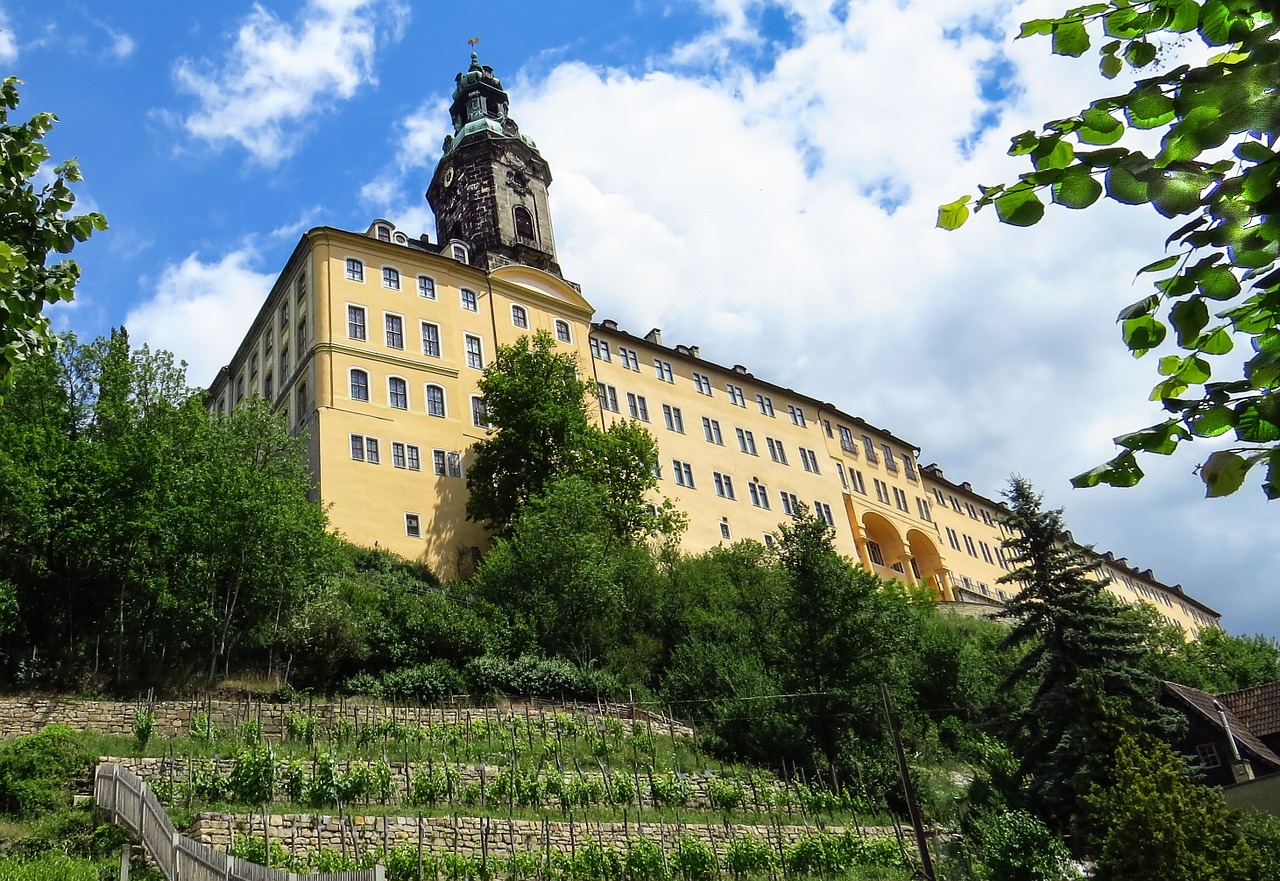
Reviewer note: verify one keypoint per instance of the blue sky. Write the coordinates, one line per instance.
(757, 177)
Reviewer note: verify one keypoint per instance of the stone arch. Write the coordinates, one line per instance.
(881, 534)
(928, 562)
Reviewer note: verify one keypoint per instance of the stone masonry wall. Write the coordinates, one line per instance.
(26, 715)
(474, 837)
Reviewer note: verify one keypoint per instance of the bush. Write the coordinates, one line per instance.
(1015, 846)
(425, 682)
(538, 677)
(749, 856)
(1262, 832)
(644, 861)
(38, 771)
(693, 859)
(47, 867)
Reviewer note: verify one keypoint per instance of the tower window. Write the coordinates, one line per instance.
(459, 253)
(524, 222)
(384, 233)
(519, 317)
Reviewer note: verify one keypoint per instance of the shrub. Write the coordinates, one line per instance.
(144, 723)
(725, 795)
(749, 856)
(693, 859)
(37, 771)
(595, 863)
(815, 855)
(644, 861)
(203, 729)
(669, 790)
(253, 776)
(1262, 832)
(424, 682)
(1015, 846)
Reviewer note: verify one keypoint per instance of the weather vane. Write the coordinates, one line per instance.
(473, 41)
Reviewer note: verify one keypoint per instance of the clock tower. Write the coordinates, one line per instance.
(489, 190)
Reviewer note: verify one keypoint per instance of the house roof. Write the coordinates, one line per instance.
(1201, 704)
(1257, 707)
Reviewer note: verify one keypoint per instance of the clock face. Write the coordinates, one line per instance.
(448, 176)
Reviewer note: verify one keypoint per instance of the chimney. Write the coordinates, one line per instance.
(1241, 770)
(654, 336)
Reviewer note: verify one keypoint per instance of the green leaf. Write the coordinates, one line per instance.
(1213, 422)
(1124, 187)
(1188, 318)
(1186, 17)
(1149, 108)
(1125, 23)
(1159, 265)
(1144, 306)
(1110, 66)
(1036, 27)
(1140, 53)
(1218, 283)
(1217, 343)
(1076, 188)
(1223, 473)
(1142, 334)
(1176, 192)
(1162, 439)
(1121, 471)
(1099, 127)
(953, 214)
(1019, 207)
(1052, 153)
(1070, 38)
(1256, 421)
(1215, 23)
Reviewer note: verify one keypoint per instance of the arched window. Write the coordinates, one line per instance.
(562, 331)
(524, 222)
(435, 401)
(479, 412)
(359, 385)
(519, 317)
(397, 393)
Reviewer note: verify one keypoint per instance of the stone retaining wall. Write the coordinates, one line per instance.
(26, 715)
(476, 837)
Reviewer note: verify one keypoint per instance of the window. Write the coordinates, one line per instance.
(826, 426)
(986, 551)
(922, 506)
(870, 449)
(844, 481)
(711, 429)
(397, 393)
(355, 269)
(759, 494)
(364, 449)
(524, 222)
(776, 452)
(519, 317)
(608, 396)
(890, 462)
(397, 454)
(672, 417)
(355, 322)
(809, 460)
(600, 350)
(790, 504)
(562, 331)
(968, 546)
(683, 472)
(724, 485)
(446, 463)
(746, 441)
(663, 370)
(479, 412)
(942, 499)
(412, 526)
(724, 529)
(765, 403)
(900, 499)
(383, 233)
(390, 278)
(431, 339)
(284, 318)
(882, 490)
(638, 407)
(955, 503)
(769, 539)
(284, 365)
(459, 253)
(239, 388)
(855, 478)
(475, 352)
(359, 385)
(846, 440)
(300, 286)
(268, 386)
(414, 458)
(395, 331)
(1208, 755)
(628, 358)
(973, 512)
(909, 467)
(735, 394)
(874, 552)
(823, 510)
(469, 300)
(426, 287)
(435, 400)
(702, 383)
(796, 414)
(301, 396)
(302, 333)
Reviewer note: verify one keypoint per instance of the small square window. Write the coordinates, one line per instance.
(412, 526)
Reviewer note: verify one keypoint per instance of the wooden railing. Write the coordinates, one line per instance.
(131, 804)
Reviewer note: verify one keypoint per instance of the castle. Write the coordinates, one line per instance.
(372, 343)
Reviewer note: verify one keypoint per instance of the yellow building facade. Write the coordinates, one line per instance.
(372, 344)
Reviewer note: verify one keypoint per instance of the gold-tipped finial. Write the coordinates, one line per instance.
(473, 41)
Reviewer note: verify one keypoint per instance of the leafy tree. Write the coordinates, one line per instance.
(1215, 661)
(537, 406)
(1085, 663)
(32, 225)
(1157, 824)
(1217, 166)
(1015, 846)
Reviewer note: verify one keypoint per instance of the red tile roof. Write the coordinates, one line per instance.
(1201, 703)
(1257, 707)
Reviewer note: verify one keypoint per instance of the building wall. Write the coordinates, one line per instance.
(736, 451)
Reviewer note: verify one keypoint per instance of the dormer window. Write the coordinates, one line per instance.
(383, 233)
(524, 222)
(459, 253)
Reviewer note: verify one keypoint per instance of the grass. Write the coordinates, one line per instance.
(48, 867)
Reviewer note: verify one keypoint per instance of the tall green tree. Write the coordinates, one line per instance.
(1217, 167)
(33, 226)
(1085, 662)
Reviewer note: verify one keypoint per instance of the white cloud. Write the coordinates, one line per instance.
(201, 310)
(277, 76)
(8, 40)
(122, 45)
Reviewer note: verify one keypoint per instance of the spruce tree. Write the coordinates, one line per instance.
(1085, 664)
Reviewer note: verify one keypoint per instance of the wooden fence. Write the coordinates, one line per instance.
(131, 804)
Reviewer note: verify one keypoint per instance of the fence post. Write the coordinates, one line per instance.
(177, 855)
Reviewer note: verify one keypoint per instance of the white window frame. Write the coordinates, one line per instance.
(364, 322)
(561, 325)
(663, 370)
(351, 383)
(422, 329)
(404, 383)
(387, 318)
(736, 395)
(702, 383)
(355, 269)
(469, 300)
(637, 406)
(412, 524)
(711, 431)
(391, 278)
(673, 418)
(479, 412)
(444, 399)
(473, 354)
(765, 403)
(600, 350)
(683, 473)
(759, 493)
(426, 287)
(519, 316)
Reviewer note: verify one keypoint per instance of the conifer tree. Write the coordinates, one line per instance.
(1085, 663)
